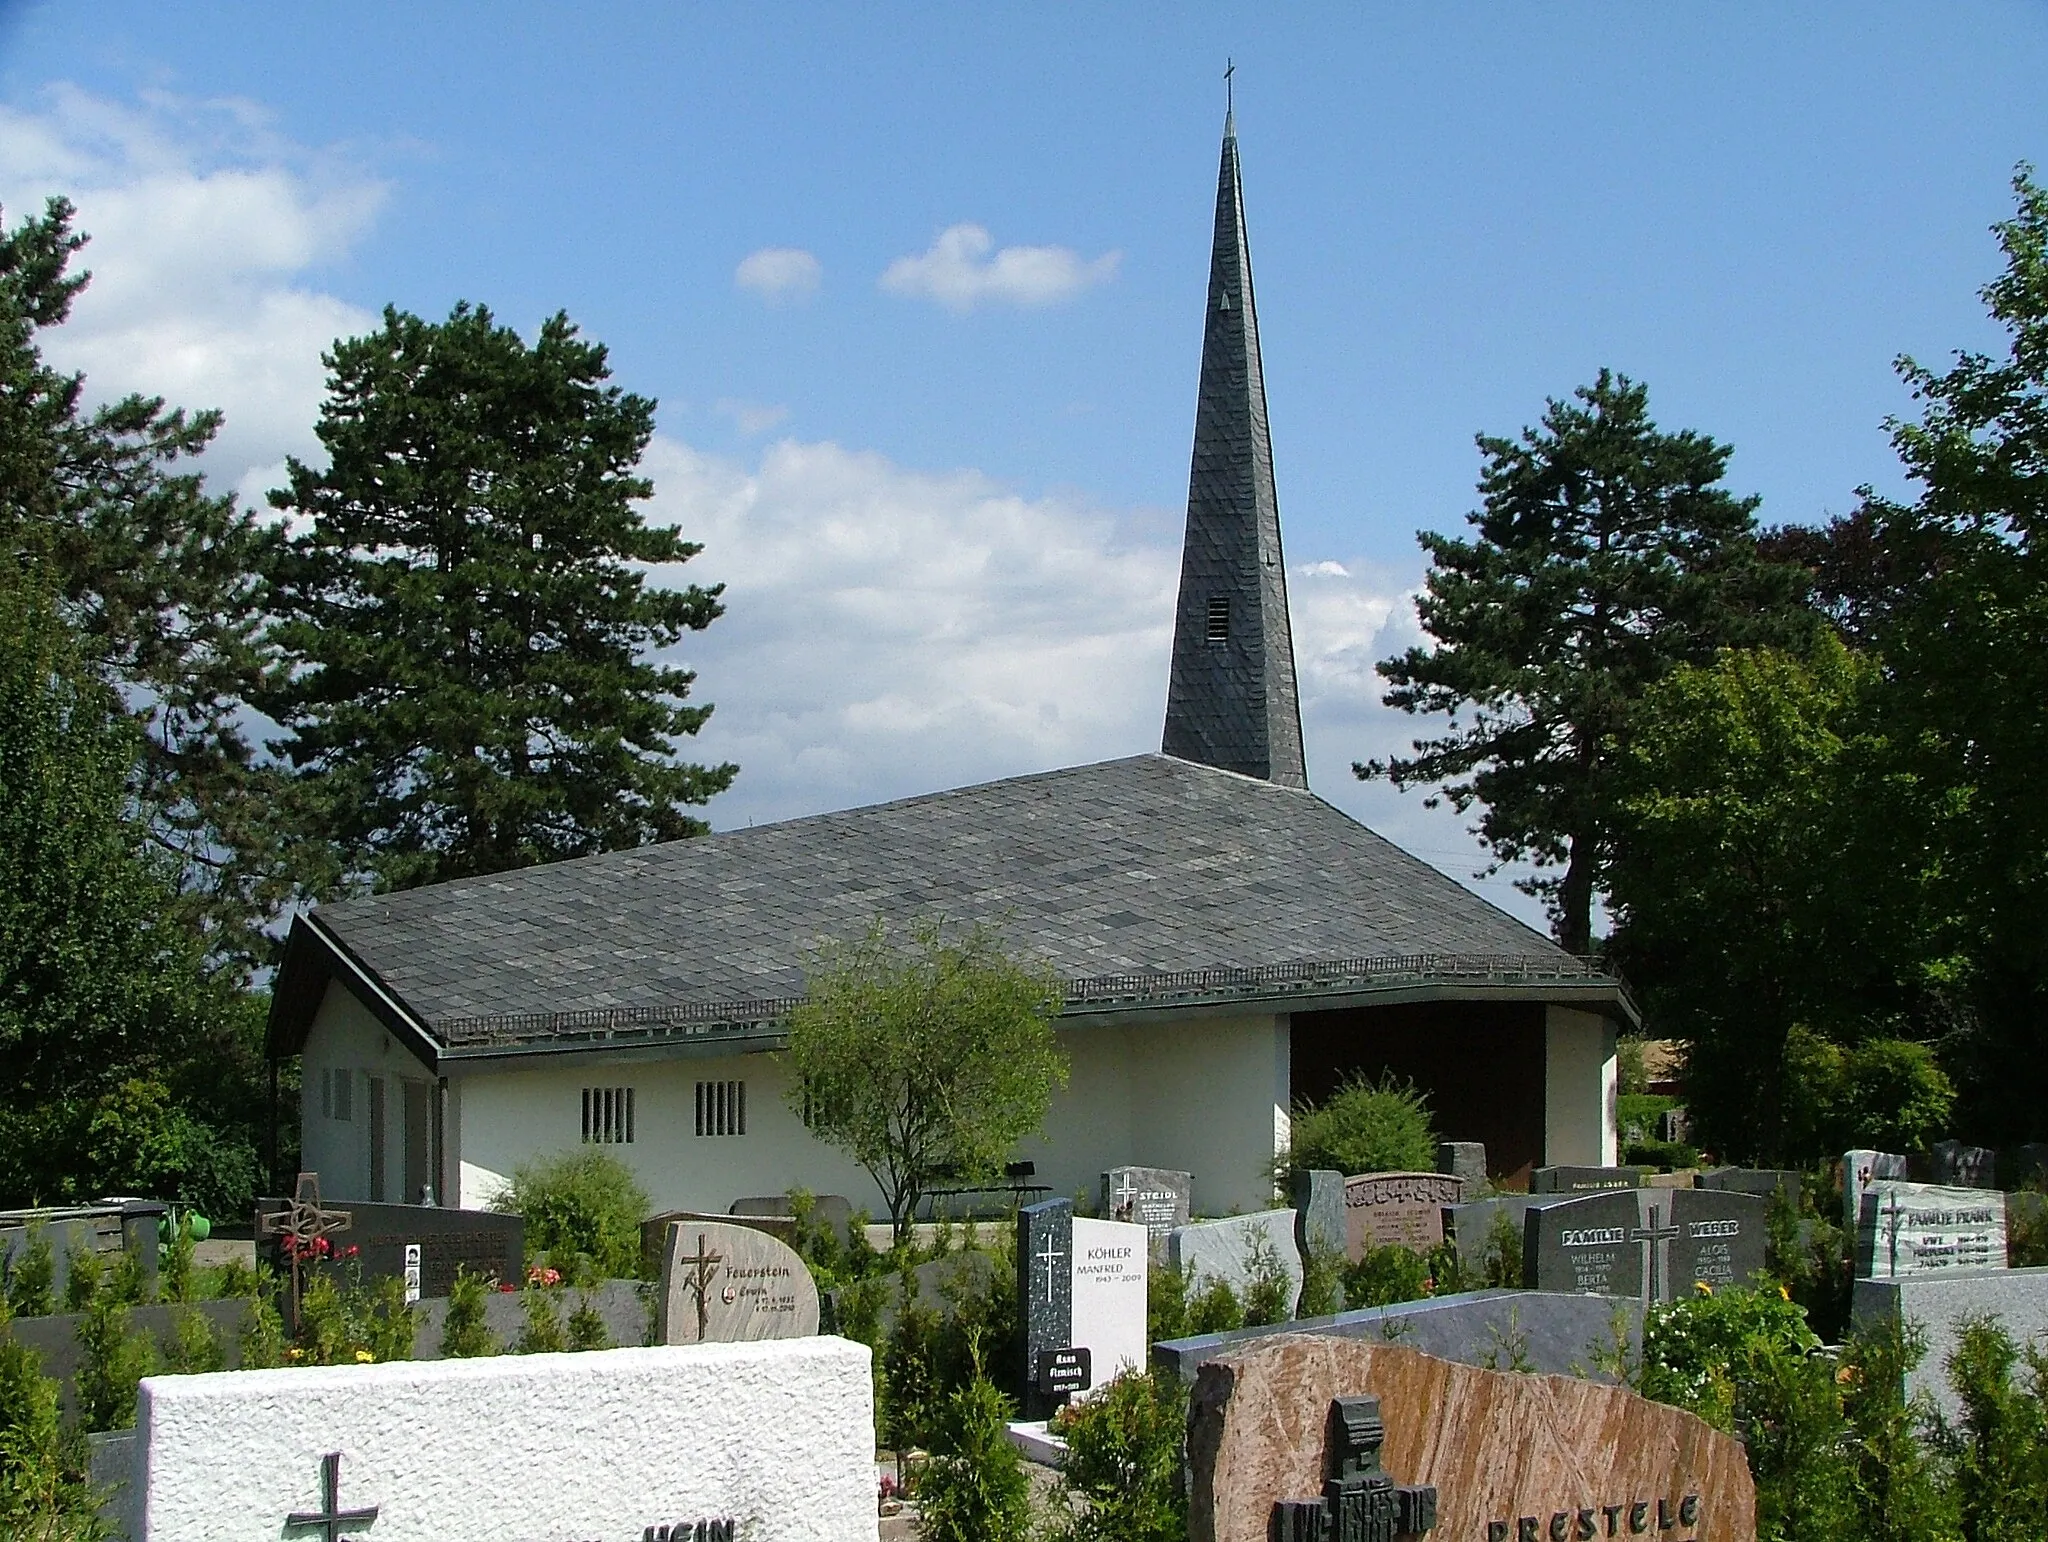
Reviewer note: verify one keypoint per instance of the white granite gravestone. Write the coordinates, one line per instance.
(723, 1284)
(1860, 1169)
(770, 1442)
(1940, 1304)
(1110, 1259)
(1923, 1228)
(1226, 1250)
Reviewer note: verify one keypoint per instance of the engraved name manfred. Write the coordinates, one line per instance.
(1583, 1523)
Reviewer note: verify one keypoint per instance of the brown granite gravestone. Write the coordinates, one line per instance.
(723, 1283)
(1397, 1210)
(1510, 1455)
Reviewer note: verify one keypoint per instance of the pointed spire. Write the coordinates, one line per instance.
(1231, 702)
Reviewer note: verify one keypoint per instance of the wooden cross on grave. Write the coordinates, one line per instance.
(704, 1267)
(1651, 1237)
(301, 1226)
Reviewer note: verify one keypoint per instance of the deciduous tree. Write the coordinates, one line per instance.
(925, 1058)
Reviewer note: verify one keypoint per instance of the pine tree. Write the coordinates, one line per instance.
(1605, 552)
(465, 615)
(161, 584)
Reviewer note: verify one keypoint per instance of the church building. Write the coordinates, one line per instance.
(1231, 944)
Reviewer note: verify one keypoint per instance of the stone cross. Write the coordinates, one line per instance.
(1126, 1195)
(330, 1517)
(1650, 1236)
(1049, 1257)
(703, 1269)
(302, 1224)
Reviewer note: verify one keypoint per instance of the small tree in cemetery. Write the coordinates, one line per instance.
(924, 1059)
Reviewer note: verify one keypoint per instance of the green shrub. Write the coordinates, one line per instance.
(32, 1283)
(1322, 1283)
(586, 1327)
(1696, 1348)
(1166, 1304)
(344, 1322)
(465, 1334)
(1365, 1127)
(1503, 1266)
(192, 1347)
(1628, 1065)
(1124, 1461)
(1889, 1094)
(175, 1278)
(1268, 1292)
(113, 1363)
(1386, 1275)
(1999, 1449)
(262, 1339)
(128, 1282)
(583, 1212)
(1638, 1115)
(542, 1333)
(974, 1488)
(43, 1492)
(1895, 1482)
(1214, 1308)
(84, 1275)
(2026, 1236)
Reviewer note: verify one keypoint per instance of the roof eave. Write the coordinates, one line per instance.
(313, 958)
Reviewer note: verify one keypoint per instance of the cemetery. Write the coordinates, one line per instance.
(1137, 1151)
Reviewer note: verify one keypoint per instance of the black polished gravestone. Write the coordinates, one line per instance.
(1958, 1166)
(1720, 1239)
(487, 1243)
(1045, 1292)
(1585, 1180)
(1590, 1246)
(1751, 1180)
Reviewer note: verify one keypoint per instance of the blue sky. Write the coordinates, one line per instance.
(948, 505)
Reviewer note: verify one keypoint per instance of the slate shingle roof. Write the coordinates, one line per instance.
(1126, 867)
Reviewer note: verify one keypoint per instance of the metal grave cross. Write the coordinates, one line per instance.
(1048, 1257)
(302, 1224)
(1651, 1236)
(1892, 1232)
(1125, 1196)
(704, 1267)
(330, 1517)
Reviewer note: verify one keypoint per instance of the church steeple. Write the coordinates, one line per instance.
(1231, 701)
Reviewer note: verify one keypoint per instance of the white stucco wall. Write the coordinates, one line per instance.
(776, 1436)
(1209, 1097)
(1580, 1084)
(345, 1038)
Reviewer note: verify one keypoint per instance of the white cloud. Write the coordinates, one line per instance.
(891, 631)
(780, 274)
(750, 417)
(205, 226)
(959, 273)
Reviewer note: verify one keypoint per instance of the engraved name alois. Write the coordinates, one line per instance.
(1583, 1523)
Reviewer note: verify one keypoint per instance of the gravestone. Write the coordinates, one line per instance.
(1925, 1228)
(1720, 1239)
(1859, 1170)
(831, 1212)
(1499, 1329)
(482, 1241)
(1958, 1166)
(1156, 1198)
(1318, 1198)
(107, 1228)
(725, 1283)
(2027, 1166)
(1081, 1287)
(1472, 1223)
(771, 1442)
(1512, 1458)
(1751, 1180)
(1591, 1245)
(1584, 1180)
(1397, 1210)
(1674, 1126)
(1110, 1261)
(1940, 1303)
(1045, 1292)
(1464, 1159)
(1226, 1250)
